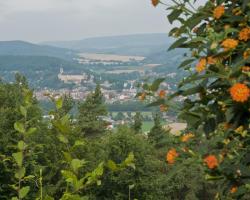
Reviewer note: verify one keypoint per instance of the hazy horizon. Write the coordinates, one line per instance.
(64, 20)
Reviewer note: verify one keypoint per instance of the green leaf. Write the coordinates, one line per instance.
(67, 196)
(99, 170)
(67, 157)
(131, 186)
(191, 91)
(186, 62)
(18, 158)
(63, 139)
(174, 15)
(98, 182)
(209, 177)
(31, 131)
(76, 164)
(48, 198)
(24, 191)
(19, 126)
(112, 165)
(23, 111)
(79, 143)
(178, 43)
(69, 176)
(14, 198)
(59, 103)
(20, 173)
(129, 161)
(21, 145)
(157, 103)
(156, 84)
(29, 177)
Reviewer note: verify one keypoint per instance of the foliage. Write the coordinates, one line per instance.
(158, 136)
(91, 112)
(216, 91)
(137, 123)
(41, 160)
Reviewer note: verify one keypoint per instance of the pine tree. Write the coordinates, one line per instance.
(137, 125)
(157, 135)
(91, 112)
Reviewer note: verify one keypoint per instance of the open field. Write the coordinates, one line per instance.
(131, 69)
(110, 57)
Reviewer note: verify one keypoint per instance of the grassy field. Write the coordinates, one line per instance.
(147, 125)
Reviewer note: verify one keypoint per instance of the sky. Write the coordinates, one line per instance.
(55, 20)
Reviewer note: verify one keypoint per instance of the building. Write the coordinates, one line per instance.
(77, 79)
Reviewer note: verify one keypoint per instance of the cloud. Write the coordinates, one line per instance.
(39, 20)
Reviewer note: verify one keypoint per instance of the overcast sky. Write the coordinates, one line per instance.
(46, 20)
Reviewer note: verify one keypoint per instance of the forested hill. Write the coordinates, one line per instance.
(139, 44)
(41, 71)
(18, 48)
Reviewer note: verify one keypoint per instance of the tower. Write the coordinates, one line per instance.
(61, 70)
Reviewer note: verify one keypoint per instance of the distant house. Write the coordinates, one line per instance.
(77, 79)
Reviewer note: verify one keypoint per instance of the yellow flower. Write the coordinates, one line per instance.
(240, 92)
(201, 65)
(244, 34)
(219, 11)
(228, 44)
(187, 137)
(171, 156)
(240, 129)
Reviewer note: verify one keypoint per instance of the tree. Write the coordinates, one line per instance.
(157, 135)
(91, 112)
(137, 124)
(147, 178)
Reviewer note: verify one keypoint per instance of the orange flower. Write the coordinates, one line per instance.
(201, 65)
(163, 108)
(240, 92)
(244, 34)
(142, 96)
(211, 161)
(211, 60)
(155, 2)
(245, 69)
(162, 94)
(227, 26)
(171, 155)
(230, 44)
(233, 189)
(219, 11)
(187, 137)
(246, 54)
(227, 126)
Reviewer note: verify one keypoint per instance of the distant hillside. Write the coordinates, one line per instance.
(140, 44)
(41, 71)
(17, 48)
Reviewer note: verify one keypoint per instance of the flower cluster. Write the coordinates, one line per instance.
(171, 156)
(218, 36)
(240, 92)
